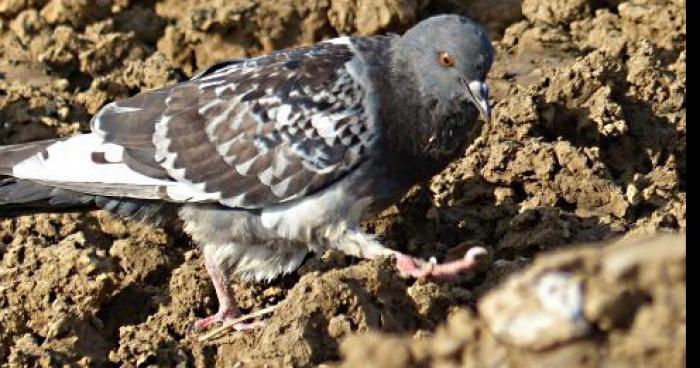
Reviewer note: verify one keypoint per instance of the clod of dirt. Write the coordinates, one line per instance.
(494, 15)
(372, 17)
(549, 312)
(204, 33)
(9, 8)
(50, 294)
(556, 11)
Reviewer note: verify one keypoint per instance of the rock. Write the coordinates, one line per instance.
(556, 11)
(537, 312)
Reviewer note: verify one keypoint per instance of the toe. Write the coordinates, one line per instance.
(413, 267)
(416, 268)
(247, 326)
(221, 316)
(205, 323)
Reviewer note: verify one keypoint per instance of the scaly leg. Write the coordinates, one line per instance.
(224, 295)
(228, 310)
(356, 243)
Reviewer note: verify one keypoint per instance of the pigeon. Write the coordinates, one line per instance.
(266, 160)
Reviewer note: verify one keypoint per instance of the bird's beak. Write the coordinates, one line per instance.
(478, 94)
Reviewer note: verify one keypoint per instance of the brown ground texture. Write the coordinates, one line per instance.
(588, 143)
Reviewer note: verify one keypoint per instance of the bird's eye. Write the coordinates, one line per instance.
(445, 59)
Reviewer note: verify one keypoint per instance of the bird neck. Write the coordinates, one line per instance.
(410, 119)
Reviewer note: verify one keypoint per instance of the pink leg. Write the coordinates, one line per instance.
(417, 268)
(224, 294)
(227, 305)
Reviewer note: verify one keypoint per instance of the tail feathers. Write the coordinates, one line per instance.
(18, 196)
(25, 196)
(13, 154)
(157, 213)
(21, 197)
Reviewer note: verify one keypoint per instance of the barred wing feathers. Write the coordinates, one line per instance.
(249, 133)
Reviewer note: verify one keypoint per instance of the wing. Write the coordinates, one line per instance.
(249, 133)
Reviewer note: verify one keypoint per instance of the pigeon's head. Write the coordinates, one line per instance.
(450, 56)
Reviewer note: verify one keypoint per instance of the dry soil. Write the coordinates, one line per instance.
(588, 143)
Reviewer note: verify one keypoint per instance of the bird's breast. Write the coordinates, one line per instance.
(325, 214)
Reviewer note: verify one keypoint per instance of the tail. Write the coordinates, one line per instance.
(19, 196)
(24, 196)
(13, 154)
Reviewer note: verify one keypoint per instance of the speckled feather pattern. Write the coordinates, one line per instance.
(252, 133)
(267, 159)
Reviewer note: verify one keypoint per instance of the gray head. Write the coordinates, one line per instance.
(450, 56)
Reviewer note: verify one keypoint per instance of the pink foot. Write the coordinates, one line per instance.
(221, 316)
(242, 323)
(417, 268)
(237, 321)
(228, 311)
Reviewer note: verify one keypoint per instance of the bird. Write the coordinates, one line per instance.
(268, 159)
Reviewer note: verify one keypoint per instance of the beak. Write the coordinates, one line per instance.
(478, 94)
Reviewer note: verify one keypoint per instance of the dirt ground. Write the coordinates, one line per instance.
(588, 143)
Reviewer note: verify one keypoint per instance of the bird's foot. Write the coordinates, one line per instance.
(221, 316)
(237, 323)
(417, 268)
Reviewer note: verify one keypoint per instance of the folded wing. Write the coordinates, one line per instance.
(246, 133)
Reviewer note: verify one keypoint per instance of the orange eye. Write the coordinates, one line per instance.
(445, 59)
